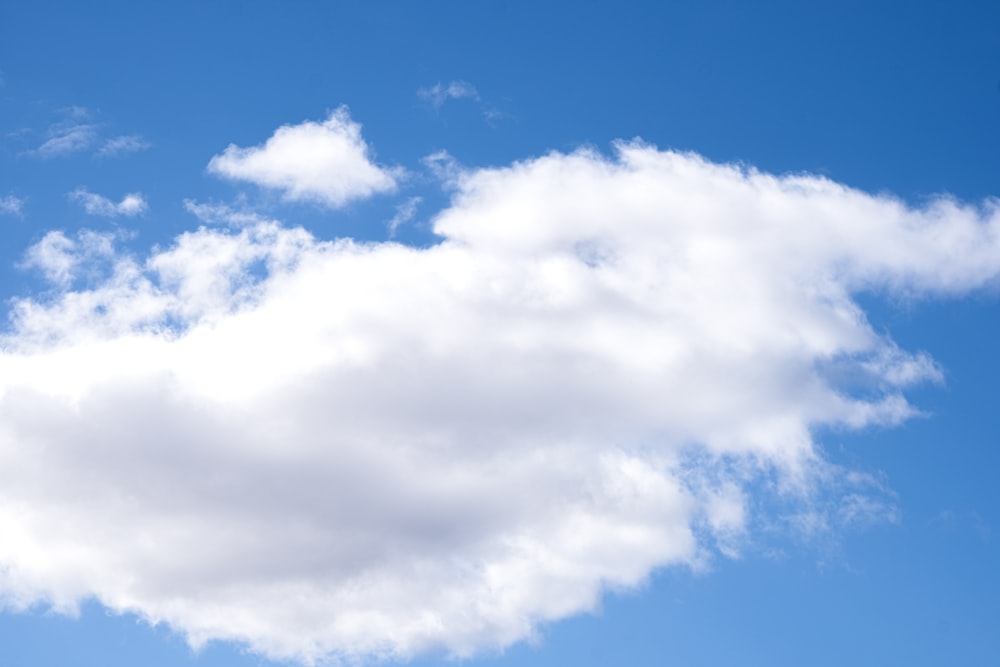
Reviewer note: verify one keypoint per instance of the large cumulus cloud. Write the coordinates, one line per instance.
(366, 449)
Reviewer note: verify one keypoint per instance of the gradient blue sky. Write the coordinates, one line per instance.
(889, 98)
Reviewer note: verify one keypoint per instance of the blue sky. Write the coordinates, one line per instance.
(505, 333)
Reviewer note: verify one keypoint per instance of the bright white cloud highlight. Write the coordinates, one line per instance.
(131, 205)
(326, 163)
(366, 449)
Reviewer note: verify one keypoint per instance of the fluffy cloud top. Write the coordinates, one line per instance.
(131, 204)
(336, 448)
(326, 163)
(61, 258)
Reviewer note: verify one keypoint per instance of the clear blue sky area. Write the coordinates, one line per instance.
(893, 98)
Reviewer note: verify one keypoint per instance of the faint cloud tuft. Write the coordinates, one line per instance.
(122, 145)
(404, 213)
(11, 205)
(440, 93)
(131, 204)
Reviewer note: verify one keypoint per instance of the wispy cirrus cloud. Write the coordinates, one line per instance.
(445, 168)
(215, 213)
(404, 213)
(337, 449)
(78, 132)
(11, 205)
(66, 138)
(440, 93)
(132, 204)
(123, 145)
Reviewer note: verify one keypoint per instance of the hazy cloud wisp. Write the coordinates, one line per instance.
(404, 213)
(123, 145)
(131, 205)
(78, 132)
(440, 93)
(67, 138)
(11, 205)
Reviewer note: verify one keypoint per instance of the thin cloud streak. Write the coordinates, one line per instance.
(123, 145)
(66, 139)
(404, 213)
(440, 93)
(131, 205)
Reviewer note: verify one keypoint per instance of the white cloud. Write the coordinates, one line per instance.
(326, 163)
(11, 205)
(131, 205)
(336, 448)
(404, 213)
(53, 256)
(78, 132)
(493, 115)
(67, 138)
(59, 257)
(215, 214)
(122, 145)
(440, 93)
(445, 168)
(73, 134)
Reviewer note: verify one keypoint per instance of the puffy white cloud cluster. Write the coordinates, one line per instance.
(365, 449)
(326, 163)
(62, 259)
